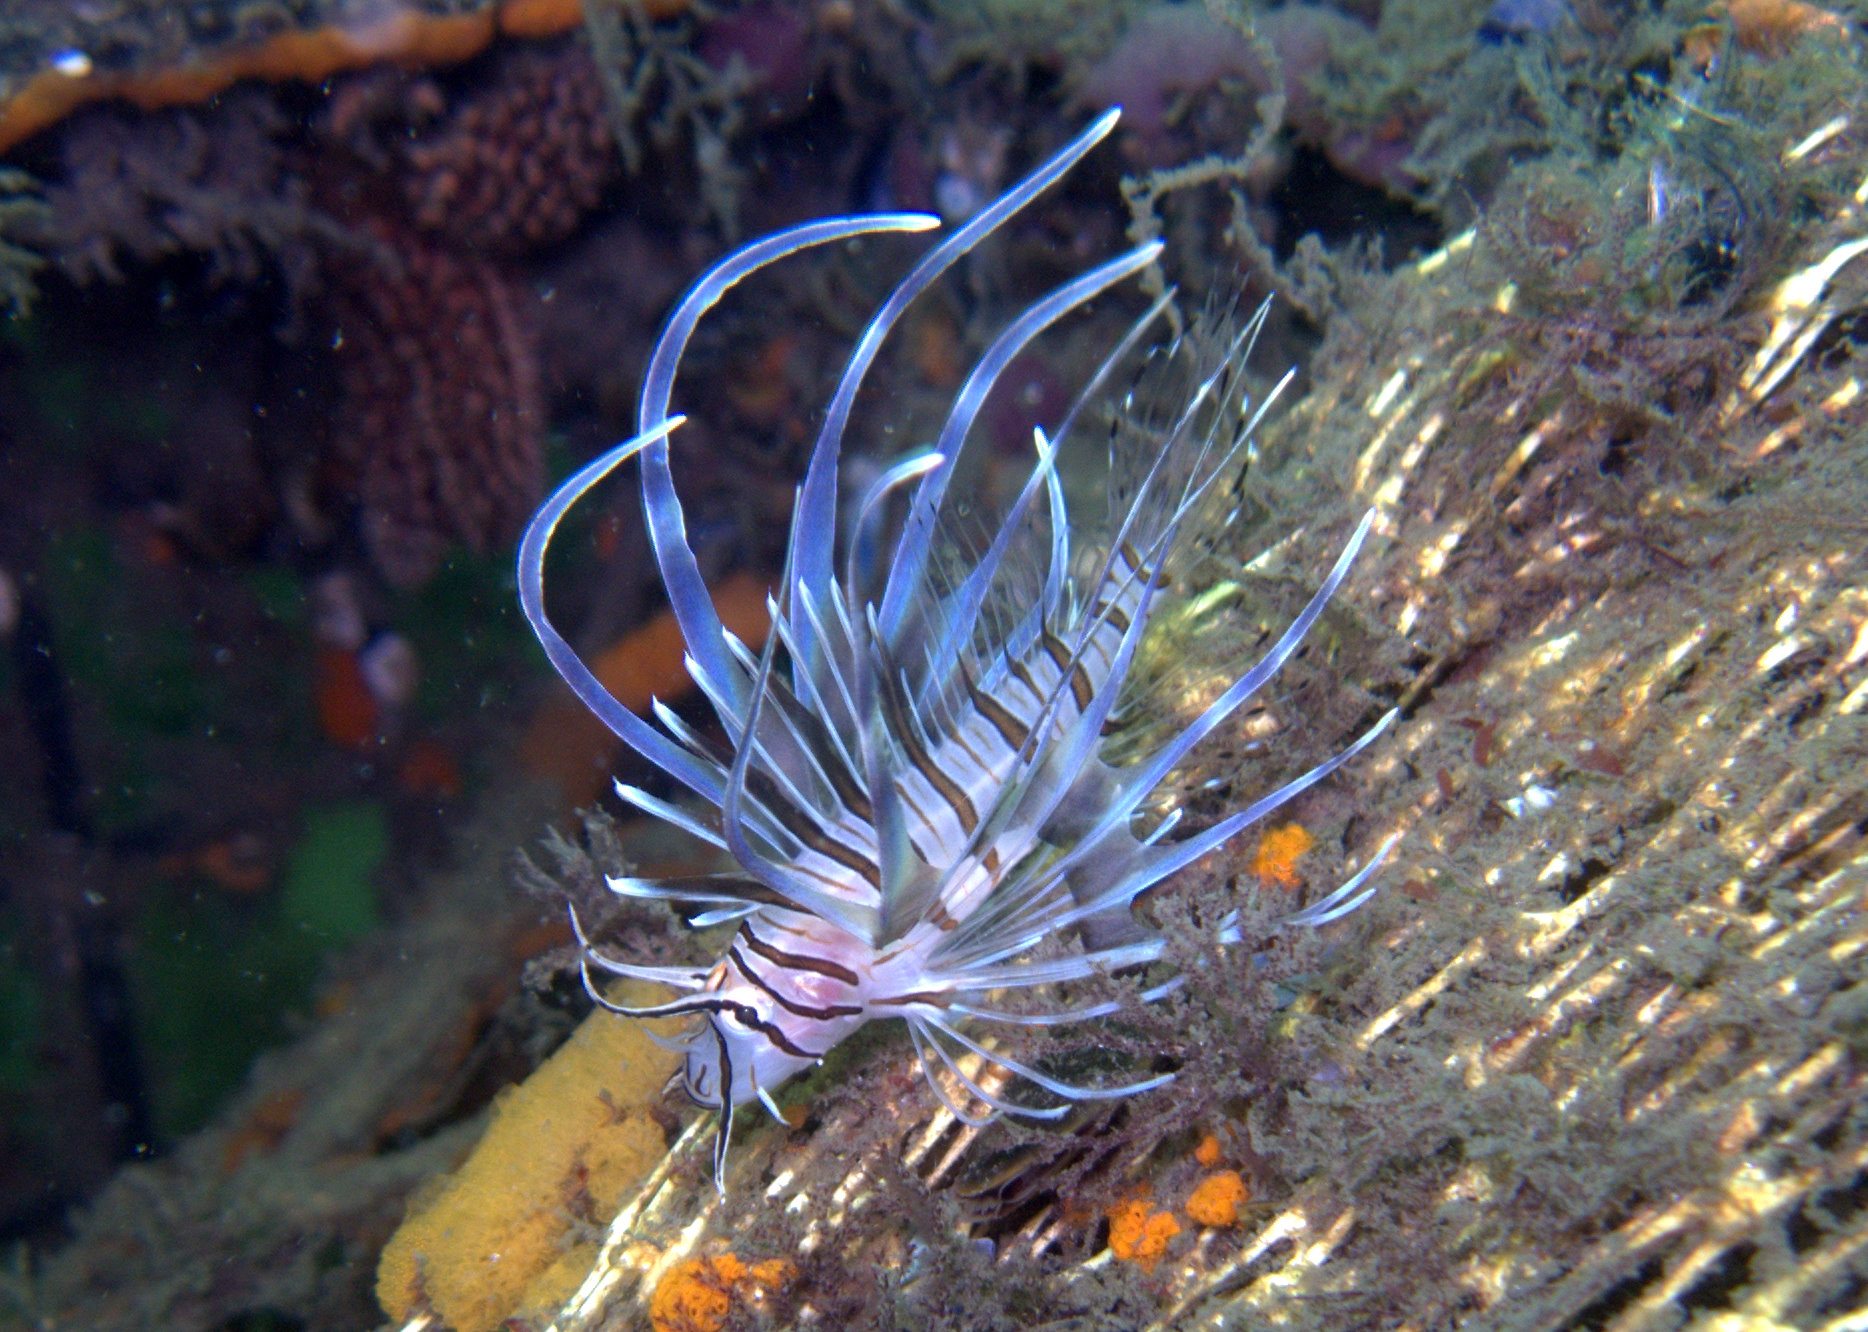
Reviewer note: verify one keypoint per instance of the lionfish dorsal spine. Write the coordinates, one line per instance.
(907, 571)
(700, 625)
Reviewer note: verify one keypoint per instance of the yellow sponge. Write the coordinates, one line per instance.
(490, 1241)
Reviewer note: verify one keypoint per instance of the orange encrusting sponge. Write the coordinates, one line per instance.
(697, 1293)
(1216, 1200)
(1274, 864)
(1139, 1234)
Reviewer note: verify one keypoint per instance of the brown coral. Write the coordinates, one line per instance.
(516, 163)
(441, 412)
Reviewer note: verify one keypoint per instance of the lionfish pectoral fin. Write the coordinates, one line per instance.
(1069, 1091)
(922, 1040)
(697, 890)
(1348, 897)
(907, 903)
(691, 1004)
(1077, 810)
(674, 1045)
(675, 978)
(722, 1136)
(771, 1108)
(1112, 924)
(1113, 928)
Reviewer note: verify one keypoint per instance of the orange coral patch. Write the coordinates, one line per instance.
(347, 712)
(698, 1293)
(1215, 1201)
(310, 56)
(693, 1297)
(264, 1130)
(1768, 27)
(1208, 1152)
(429, 769)
(1138, 1234)
(1274, 864)
(548, 18)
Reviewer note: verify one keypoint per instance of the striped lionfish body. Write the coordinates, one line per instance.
(912, 783)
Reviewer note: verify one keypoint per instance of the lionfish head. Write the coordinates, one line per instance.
(913, 781)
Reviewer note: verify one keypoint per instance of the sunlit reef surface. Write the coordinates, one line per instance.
(298, 354)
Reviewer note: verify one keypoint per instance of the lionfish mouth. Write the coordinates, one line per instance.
(915, 789)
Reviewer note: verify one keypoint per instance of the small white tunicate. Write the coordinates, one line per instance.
(390, 669)
(1535, 800)
(337, 613)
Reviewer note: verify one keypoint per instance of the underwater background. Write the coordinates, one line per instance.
(310, 301)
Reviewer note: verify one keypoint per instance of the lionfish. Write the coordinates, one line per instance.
(912, 780)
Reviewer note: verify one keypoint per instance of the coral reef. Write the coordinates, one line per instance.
(1593, 1058)
(397, 212)
(442, 413)
(1237, 98)
(284, 1202)
(443, 407)
(654, 77)
(1579, 88)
